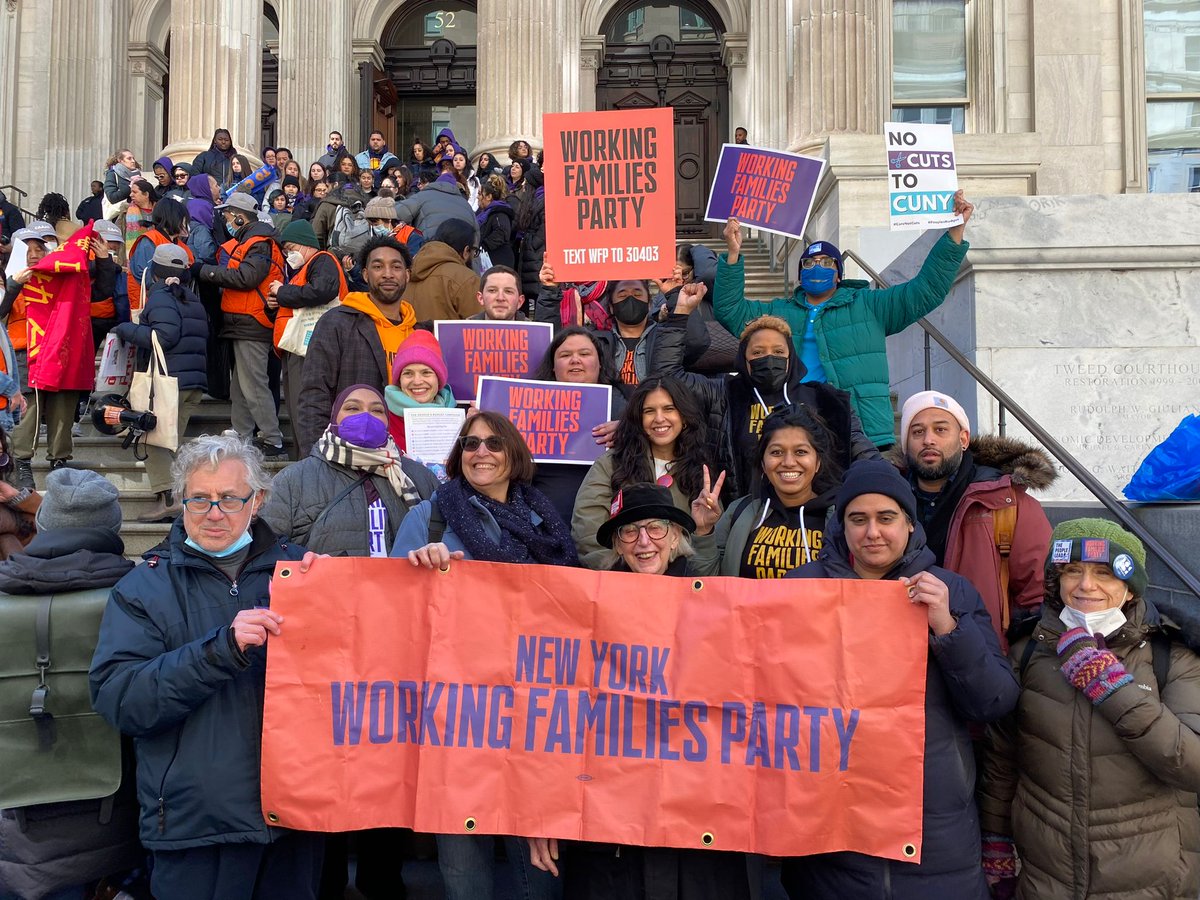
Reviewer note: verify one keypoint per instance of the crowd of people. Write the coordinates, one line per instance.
(748, 438)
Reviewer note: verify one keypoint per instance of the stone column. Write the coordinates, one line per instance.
(216, 62)
(316, 75)
(10, 58)
(836, 84)
(768, 63)
(84, 112)
(591, 58)
(147, 66)
(523, 61)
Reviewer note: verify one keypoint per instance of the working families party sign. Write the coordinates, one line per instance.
(473, 348)
(781, 717)
(765, 189)
(610, 194)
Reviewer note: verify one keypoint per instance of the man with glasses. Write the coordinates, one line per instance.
(443, 284)
(181, 666)
(839, 325)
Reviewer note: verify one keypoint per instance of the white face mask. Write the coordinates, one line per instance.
(295, 260)
(1105, 622)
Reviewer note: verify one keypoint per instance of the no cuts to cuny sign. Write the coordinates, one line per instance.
(922, 176)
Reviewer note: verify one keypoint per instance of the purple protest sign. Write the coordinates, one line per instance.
(556, 418)
(473, 348)
(764, 189)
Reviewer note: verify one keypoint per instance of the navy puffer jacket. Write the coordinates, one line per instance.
(168, 673)
(968, 679)
(176, 315)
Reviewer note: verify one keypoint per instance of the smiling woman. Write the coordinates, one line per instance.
(418, 381)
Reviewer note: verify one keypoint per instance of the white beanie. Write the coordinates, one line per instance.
(929, 400)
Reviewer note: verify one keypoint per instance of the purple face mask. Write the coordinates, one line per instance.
(363, 430)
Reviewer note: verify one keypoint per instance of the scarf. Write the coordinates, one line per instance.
(581, 306)
(481, 216)
(384, 461)
(124, 172)
(520, 540)
(397, 401)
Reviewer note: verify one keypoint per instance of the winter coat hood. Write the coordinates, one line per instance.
(66, 559)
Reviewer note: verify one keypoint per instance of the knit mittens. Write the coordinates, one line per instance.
(1095, 671)
(999, 861)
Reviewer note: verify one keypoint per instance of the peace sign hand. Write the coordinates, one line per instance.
(706, 508)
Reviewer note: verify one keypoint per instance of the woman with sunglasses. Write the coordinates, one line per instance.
(661, 437)
(486, 511)
(647, 533)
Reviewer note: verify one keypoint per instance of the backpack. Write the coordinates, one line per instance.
(350, 230)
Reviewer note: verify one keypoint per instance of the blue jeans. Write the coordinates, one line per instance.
(467, 862)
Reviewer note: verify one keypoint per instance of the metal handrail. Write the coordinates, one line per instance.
(1110, 501)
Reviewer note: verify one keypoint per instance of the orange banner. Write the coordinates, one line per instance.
(610, 194)
(781, 717)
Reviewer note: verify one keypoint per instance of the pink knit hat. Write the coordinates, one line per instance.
(420, 347)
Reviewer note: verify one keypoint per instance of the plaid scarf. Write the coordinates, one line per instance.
(582, 304)
(384, 461)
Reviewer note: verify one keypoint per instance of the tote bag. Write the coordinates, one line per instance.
(157, 392)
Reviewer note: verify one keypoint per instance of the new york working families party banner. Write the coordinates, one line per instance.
(782, 717)
(610, 194)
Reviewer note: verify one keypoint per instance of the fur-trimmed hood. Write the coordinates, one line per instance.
(1030, 466)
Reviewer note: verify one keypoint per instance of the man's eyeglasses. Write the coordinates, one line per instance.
(825, 262)
(471, 443)
(201, 506)
(656, 530)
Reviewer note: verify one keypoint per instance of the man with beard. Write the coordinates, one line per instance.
(356, 342)
(973, 501)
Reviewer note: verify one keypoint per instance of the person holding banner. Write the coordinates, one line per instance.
(662, 438)
(968, 679)
(576, 356)
(180, 666)
(780, 526)
(648, 534)
(1095, 774)
(488, 510)
(769, 374)
(839, 326)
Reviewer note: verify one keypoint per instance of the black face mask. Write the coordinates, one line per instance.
(769, 373)
(631, 311)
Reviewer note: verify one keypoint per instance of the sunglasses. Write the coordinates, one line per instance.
(471, 442)
(181, 177)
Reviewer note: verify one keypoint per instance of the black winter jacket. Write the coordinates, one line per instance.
(251, 273)
(168, 672)
(176, 315)
(968, 679)
(345, 349)
(728, 398)
(322, 286)
(533, 245)
(495, 234)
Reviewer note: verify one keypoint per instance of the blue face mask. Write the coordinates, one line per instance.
(241, 543)
(817, 280)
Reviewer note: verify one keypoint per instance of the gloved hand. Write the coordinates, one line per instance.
(999, 861)
(1094, 671)
(194, 270)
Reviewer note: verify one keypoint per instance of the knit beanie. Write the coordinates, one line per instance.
(292, 180)
(923, 400)
(380, 208)
(823, 248)
(79, 498)
(299, 231)
(420, 347)
(875, 476)
(1100, 541)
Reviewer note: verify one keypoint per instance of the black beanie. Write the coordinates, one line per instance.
(875, 476)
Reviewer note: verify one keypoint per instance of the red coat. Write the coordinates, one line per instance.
(971, 541)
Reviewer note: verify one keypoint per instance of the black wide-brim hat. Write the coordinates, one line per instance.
(642, 501)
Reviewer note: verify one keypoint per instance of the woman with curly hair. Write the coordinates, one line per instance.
(55, 209)
(661, 438)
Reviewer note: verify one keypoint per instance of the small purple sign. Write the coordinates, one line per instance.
(473, 348)
(556, 418)
(765, 189)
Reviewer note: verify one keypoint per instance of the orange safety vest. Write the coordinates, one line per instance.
(403, 232)
(104, 309)
(254, 301)
(16, 323)
(299, 280)
(4, 369)
(133, 285)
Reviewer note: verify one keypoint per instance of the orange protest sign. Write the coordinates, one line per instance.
(781, 717)
(610, 194)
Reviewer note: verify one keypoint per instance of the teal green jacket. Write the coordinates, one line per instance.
(851, 327)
